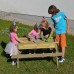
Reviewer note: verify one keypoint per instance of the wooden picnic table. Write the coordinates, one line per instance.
(28, 45)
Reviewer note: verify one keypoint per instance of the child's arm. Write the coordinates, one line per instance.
(41, 33)
(68, 29)
(67, 21)
(42, 37)
(52, 30)
(48, 39)
(33, 38)
(46, 36)
(30, 35)
(19, 39)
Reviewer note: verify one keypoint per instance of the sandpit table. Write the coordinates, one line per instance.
(40, 45)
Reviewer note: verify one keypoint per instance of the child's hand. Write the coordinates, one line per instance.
(46, 36)
(23, 42)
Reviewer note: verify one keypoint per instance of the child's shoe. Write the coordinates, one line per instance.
(13, 63)
(61, 59)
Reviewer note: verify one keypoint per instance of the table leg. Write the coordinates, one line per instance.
(17, 62)
(57, 62)
(56, 52)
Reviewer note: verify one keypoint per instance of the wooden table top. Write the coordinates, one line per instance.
(32, 45)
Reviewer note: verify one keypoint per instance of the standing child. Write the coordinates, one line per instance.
(11, 47)
(45, 30)
(60, 24)
(34, 34)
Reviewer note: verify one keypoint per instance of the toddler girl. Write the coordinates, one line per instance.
(11, 47)
(34, 34)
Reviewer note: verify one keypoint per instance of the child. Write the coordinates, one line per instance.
(43, 18)
(11, 47)
(60, 20)
(45, 30)
(34, 34)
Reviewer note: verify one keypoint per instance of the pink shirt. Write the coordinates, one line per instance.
(13, 36)
(34, 33)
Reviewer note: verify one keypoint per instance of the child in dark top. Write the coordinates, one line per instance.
(45, 29)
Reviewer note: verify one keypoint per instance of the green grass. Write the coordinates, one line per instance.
(33, 66)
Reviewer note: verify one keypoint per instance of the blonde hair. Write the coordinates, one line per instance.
(44, 22)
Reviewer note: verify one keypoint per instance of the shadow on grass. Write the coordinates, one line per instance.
(3, 45)
(39, 51)
(44, 58)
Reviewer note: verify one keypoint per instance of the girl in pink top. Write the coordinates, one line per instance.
(11, 47)
(34, 34)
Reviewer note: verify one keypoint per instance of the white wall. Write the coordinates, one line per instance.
(37, 7)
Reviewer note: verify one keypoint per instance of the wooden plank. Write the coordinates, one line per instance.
(37, 55)
(36, 46)
(27, 46)
(40, 41)
(32, 45)
(46, 45)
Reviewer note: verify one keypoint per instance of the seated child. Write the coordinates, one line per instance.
(11, 47)
(34, 34)
(45, 30)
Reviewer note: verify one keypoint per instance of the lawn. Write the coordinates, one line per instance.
(33, 66)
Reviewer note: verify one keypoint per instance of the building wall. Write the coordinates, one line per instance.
(37, 7)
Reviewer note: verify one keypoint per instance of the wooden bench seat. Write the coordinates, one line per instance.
(21, 56)
(36, 55)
